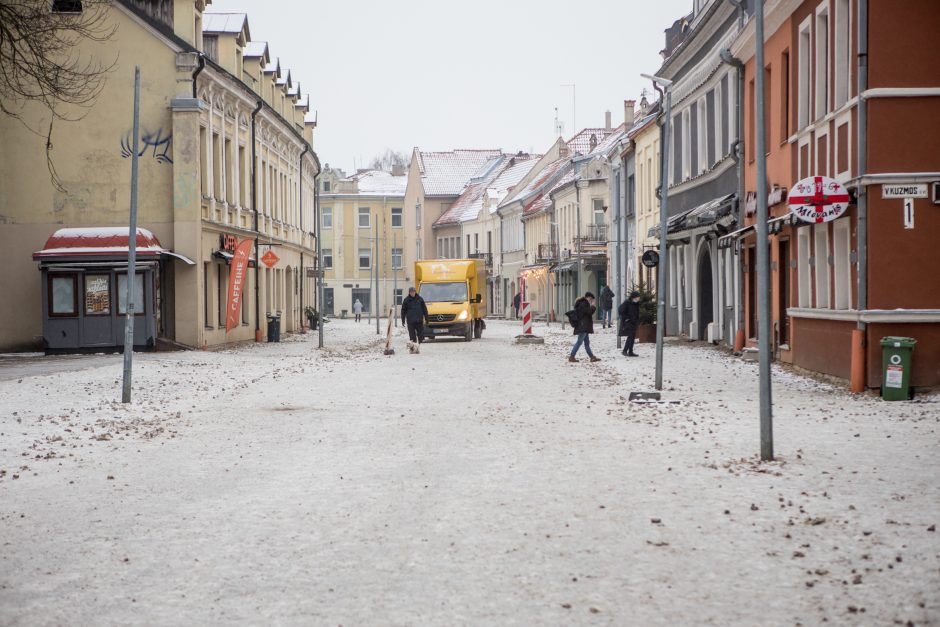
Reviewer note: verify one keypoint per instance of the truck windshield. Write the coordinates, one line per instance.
(444, 292)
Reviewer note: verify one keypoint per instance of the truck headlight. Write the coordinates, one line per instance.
(463, 315)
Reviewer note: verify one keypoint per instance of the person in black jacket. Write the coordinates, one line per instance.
(629, 311)
(414, 312)
(607, 304)
(585, 308)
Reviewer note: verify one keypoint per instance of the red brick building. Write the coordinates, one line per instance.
(841, 286)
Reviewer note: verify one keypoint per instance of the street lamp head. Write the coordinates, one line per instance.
(665, 82)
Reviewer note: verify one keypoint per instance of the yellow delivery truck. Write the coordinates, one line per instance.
(455, 293)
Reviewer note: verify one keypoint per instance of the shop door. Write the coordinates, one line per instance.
(328, 301)
(97, 310)
(706, 301)
(783, 294)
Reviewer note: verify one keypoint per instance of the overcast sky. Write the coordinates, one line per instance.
(442, 74)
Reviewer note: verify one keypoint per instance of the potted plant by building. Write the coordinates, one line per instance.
(313, 317)
(646, 331)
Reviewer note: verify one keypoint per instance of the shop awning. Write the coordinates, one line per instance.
(227, 257)
(565, 266)
(109, 242)
(702, 215)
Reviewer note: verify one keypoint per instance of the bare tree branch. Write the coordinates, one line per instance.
(40, 62)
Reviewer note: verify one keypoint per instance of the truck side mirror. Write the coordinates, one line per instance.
(479, 298)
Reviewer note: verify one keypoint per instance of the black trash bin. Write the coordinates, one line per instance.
(274, 327)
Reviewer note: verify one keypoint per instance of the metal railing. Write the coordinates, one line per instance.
(546, 252)
(486, 257)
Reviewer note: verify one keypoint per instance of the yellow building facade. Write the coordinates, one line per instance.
(225, 154)
(646, 151)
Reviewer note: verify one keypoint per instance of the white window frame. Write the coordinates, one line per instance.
(803, 254)
(824, 167)
(845, 175)
(823, 82)
(804, 64)
(719, 129)
(686, 144)
(327, 217)
(360, 257)
(327, 254)
(821, 257)
(842, 266)
(367, 215)
(805, 140)
(702, 132)
(673, 276)
(399, 253)
(397, 213)
(842, 48)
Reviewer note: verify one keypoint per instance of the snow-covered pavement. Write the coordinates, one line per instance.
(475, 483)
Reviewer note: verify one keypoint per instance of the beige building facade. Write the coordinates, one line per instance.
(225, 155)
(648, 167)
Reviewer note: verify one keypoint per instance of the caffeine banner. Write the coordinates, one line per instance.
(236, 281)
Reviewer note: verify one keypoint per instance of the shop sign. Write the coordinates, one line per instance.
(270, 259)
(650, 259)
(818, 199)
(236, 283)
(228, 242)
(918, 190)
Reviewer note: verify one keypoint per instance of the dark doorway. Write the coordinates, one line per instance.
(328, 302)
(751, 292)
(783, 295)
(705, 297)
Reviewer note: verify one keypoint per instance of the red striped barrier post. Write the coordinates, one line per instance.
(526, 318)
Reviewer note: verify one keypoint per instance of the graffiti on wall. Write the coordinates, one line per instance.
(159, 143)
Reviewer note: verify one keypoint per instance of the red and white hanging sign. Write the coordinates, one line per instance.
(818, 199)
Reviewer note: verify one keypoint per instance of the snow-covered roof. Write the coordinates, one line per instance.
(303, 102)
(225, 23)
(544, 199)
(255, 49)
(537, 183)
(106, 240)
(498, 181)
(447, 173)
(380, 182)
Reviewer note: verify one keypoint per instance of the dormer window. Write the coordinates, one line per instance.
(211, 46)
(66, 6)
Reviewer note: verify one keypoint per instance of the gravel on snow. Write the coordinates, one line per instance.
(480, 483)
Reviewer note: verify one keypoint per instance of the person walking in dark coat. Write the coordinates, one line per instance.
(607, 304)
(629, 311)
(585, 308)
(414, 312)
(516, 302)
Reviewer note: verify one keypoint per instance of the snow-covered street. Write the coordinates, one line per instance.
(474, 483)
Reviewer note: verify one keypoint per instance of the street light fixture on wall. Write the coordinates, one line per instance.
(662, 269)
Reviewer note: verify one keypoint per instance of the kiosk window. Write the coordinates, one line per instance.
(138, 294)
(63, 297)
(97, 295)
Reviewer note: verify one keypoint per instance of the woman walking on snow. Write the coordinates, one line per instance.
(357, 309)
(585, 308)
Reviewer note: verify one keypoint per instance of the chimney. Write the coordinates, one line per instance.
(607, 120)
(398, 170)
(628, 113)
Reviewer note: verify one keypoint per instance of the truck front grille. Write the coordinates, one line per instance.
(442, 317)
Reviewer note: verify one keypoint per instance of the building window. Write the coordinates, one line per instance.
(803, 72)
(701, 139)
(242, 178)
(399, 294)
(784, 97)
(327, 254)
(365, 258)
(220, 292)
(822, 62)
(365, 218)
(326, 186)
(97, 294)
(210, 44)
(842, 46)
(842, 244)
(803, 264)
(418, 215)
(719, 125)
(418, 250)
(139, 306)
(821, 241)
(396, 258)
(686, 144)
(206, 276)
(216, 166)
(364, 296)
(396, 217)
(752, 121)
(203, 162)
(63, 295)
(66, 6)
(328, 217)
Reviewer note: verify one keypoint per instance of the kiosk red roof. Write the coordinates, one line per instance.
(99, 241)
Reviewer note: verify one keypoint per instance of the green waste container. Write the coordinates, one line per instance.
(896, 353)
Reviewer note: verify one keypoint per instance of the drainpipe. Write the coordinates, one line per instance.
(254, 206)
(737, 153)
(858, 368)
(739, 5)
(300, 194)
(199, 68)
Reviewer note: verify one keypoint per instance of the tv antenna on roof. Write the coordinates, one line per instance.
(559, 125)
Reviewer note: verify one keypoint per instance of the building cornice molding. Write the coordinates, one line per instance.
(875, 316)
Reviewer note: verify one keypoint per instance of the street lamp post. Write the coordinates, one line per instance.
(663, 267)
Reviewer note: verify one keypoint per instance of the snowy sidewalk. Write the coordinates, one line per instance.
(475, 483)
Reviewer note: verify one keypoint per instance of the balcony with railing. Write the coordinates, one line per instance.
(592, 239)
(547, 253)
(486, 257)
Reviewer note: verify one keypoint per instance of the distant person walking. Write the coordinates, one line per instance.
(516, 302)
(607, 304)
(585, 309)
(629, 312)
(357, 309)
(414, 312)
